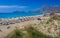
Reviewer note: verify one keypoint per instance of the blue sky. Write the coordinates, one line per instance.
(25, 5)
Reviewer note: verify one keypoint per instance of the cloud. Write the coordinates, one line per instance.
(22, 6)
(12, 8)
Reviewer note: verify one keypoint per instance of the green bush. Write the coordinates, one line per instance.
(35, 34)
(8, 27)
(0, 30)
(31, 33)
(15, 34)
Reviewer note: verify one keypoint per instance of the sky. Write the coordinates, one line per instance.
(25, 5)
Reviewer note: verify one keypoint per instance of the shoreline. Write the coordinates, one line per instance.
(19, 19)
(21, 16)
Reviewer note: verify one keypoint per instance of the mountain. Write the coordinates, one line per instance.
(29, 12)
(44, 9)
(50, 9)
(19, 12)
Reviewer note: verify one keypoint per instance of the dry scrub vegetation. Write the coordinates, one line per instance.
(45, 29)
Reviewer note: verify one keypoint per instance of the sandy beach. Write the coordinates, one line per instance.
(21, 25)
(8, 25)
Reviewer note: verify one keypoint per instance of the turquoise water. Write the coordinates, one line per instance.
(10, 15)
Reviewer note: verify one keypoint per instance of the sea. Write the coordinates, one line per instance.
(14, 15)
